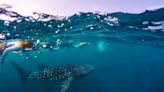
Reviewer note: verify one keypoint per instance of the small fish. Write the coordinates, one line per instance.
(67, 73)
(82, 44)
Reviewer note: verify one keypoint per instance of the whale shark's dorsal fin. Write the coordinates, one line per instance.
(42, 67)
(66, 84)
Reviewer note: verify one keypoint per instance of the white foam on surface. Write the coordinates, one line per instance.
(2, 36)
(161, 26)
(4, 17)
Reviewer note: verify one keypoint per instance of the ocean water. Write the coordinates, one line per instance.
(127, 50)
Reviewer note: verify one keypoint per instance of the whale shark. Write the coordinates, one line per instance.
(65, 73)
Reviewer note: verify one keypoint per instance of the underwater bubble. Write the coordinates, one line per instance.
(58, 42)
(7, 23)
(26, 57)
(8, 34)
(38, 41)
(57, 31)
(28, 36)
(50, 26)
(37, 34)
(15, 27)
(35, 56)
(71, 27)
(69, 20)
(65, 29)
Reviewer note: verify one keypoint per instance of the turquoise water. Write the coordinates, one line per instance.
(127, 51)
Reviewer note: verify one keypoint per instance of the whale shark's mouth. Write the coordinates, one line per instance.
(89, 68)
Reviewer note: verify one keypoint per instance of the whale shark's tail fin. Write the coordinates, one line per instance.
(23, 74)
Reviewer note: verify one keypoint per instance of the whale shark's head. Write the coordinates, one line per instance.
(81, 70)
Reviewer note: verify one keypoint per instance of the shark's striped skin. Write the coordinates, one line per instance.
(56, 73)
(65, 72)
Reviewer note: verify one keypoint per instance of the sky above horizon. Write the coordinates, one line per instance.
(69, 7)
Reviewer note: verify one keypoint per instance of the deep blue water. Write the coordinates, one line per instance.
(127, 51)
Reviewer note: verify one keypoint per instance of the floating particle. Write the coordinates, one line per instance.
(26, 57)
(50, 26)
(8, 34)
(58, 42)
(38, 41)
(37, 34)
(35, 56)
(57, 31)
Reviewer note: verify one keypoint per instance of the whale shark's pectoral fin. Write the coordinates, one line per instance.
(66, 84)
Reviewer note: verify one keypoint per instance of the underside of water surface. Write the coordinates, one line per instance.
(127, 50)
